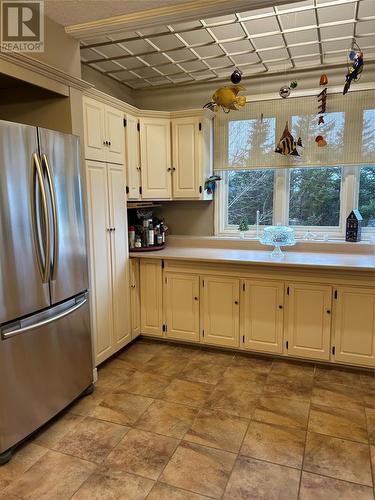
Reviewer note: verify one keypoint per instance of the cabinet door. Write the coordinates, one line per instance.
(151, 297)
(186, 158)
(119, 252)
(114, 124)
(94, 130)
(135, 298)
(308, 323)
(181, 306)
(261, 327)
(155, 137)
(100, 259)
(132, 158)
(220, 310)
(354, 326)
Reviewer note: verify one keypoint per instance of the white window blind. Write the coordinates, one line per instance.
(246, 139)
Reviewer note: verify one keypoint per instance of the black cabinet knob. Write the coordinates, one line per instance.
(236, 301)
(280, 307)
(195, 298)
(328, 311)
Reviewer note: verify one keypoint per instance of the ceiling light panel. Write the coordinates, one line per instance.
(303, 34)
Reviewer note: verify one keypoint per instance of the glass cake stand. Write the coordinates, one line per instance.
(278, 236)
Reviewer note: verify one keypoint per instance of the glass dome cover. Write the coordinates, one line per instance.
(279, 236)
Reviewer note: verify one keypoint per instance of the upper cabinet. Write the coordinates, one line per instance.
(133, 158)
(104, 132)
(192, 156)
(156, 168)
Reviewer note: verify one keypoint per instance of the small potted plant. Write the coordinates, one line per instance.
(243, 227)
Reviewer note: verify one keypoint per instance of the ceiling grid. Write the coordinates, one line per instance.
(311, 33)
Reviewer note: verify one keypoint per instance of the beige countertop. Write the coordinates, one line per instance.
(263, 257)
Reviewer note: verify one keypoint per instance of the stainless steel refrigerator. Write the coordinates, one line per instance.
(45, 342)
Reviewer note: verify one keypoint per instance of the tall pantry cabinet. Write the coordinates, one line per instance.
(107, 224)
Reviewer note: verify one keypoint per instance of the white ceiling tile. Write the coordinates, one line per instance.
(260, 26)
(193, 66)
(139, 84)
(154, 30)
(265, 42)
(288, 6)
(307, 62)
(366, 8)
(228, 32)
(167, 42)
(130, 62)
(122, 35)
(218, 62)
(194, 37)
(298, 19)
(210, 50)
(138, 46)
(155, 59)
(335, 57)
(112, 51)
(107, 66)
(158, 80)
(170, 69)
(240, 46)
(145, 72)
(365, 27)
(337, 31)
(203, 75)
(124, 75)
(301, 36)
(251, 57)
(274, 54)
(252, 69)
(181, 78)
(89, 54)
(186, 26)
(256, 12)
(181, 54)
(221, 19)
(366, 41)
(336, 45)
(334, 14)
(301, 50)
(280, 66)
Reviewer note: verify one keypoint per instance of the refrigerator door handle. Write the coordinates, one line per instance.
(10, 332)
(54, 215)
(44, 270)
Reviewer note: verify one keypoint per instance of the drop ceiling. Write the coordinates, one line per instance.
(310, 33)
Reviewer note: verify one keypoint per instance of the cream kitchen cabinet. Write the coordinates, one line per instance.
(354, 326)
(103, 132)
(135, 299)
(156, 162)
(191, 156)
(110, 307)
(308, 320)
(261, 321)
(151, 297)
(181, 311)
(219, 311)
(133, 159)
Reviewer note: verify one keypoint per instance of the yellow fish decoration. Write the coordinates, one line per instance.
(226, 98)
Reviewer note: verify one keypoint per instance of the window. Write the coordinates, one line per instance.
(366, 201)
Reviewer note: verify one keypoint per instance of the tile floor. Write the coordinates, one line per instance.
(171, 422)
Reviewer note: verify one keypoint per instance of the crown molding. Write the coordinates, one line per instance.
(25, 62)
(195, 9)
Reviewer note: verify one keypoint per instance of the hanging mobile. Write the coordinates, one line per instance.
(354, 72)
(236, 76)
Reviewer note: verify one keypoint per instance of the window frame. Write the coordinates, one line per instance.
(349, 195)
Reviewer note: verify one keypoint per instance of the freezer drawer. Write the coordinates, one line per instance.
(45, 363)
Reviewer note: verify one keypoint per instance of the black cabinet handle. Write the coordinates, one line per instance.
(280, 307)
(236, 301)
(328, 311)
(195, 298)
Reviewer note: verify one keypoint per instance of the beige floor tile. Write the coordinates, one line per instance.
(368, 395)
(169, 419)
(314, 487)
(84, 405)
(282, 411)
(23, 458)
(337, 396)
(338, 458)
(111, 375)
(346, 424)
(290, 388)
(243, 378)
(372, 454)
(113, 484)
(233, 400)
(7, 496)
(121, 407)
(337, 376)
(370, 418)
(368, 380)
(209, 373)
(214, 356)
(292, 369)
(167, 365)
(218, 429)
(52, 432)
(163, 491)
(274, 443)
(91, 439)
(142, 453)
(146, 384)
(137, 355)
(3, 484)
(199, 469)
(260, 365)
(254, 479)
(186, 392)
(54, 477)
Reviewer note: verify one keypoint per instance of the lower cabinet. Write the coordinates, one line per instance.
(220, 312)
(151, 297)
(262, 309)
(135, 299)
(354, 326)
(308, 320)
(181, 297)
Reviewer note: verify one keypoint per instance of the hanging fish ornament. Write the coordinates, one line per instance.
(287, 145)
(210, 184)
(323, 80)
(226, 98)
(356, 56)
(284, 91)
(321, 142)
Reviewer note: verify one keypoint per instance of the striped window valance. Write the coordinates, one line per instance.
(247, 138)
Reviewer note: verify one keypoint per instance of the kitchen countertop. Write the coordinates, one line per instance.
(263, 257)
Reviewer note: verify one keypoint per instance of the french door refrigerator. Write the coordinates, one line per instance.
(45, 341)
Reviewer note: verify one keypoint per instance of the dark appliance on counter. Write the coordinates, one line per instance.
(45, 340)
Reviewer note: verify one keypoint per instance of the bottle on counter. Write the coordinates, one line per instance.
(131, 234)
(150, 234)
(145, 233)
